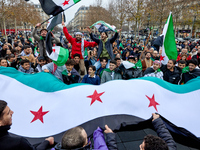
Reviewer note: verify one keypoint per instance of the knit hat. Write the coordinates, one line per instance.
(79, 33)
(157, 62)
(43, 29)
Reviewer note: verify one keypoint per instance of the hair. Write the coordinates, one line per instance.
(27, 46)
(2, 59)
(70, 62)
(103, 58)
(15, 44)
(147, 53)
(193, 61)
(131, 57)
(182, 62)
(154, 143)
(77, 55)
(93, 67)
(116, 59)
(174, 61)
(184, 55)
(73, 138)
(105, 33)
(113, 62)
(23, 61)
(3, 105)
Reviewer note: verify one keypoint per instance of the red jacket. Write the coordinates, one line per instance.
(179, 57)
(76, 47)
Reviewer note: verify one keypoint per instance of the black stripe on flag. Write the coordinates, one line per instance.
(130, 130)
(50, 8)
(49, 43)
(55, 21)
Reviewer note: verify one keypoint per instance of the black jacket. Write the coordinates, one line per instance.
(190, 75)
(172, 77)
(108, 45)
(74, 78)
(8, 142)
(130, 73)
(163, 133)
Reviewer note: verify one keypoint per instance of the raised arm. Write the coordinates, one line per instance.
(92, 36)
(163, 132)
(36, 37)
(112, 40)
(67, 35)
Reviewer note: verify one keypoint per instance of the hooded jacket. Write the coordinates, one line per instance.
(74, 78)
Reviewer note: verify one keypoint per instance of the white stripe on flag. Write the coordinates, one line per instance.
(71, 107)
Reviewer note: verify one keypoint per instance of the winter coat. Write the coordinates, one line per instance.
(172, 77)
(74, 78)
(107, 76)
(99, 142)
(76, 47)
(163, 133)
(8, 142)
(190, 75)
(42, 43)
(108, 45)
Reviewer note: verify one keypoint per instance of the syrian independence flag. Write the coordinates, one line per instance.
(54, 21)
(54, 7)
(129, 65)
(169, 50)
(44, 106)
(104, 27)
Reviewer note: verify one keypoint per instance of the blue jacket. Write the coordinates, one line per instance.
(90, 80)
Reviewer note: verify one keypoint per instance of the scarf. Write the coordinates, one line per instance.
(82, 47)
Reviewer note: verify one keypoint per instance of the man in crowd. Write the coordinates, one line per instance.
(76, 138)
(154, 71)
(41, 40)
(104, 46)
(77, 60)
(41, 61)
(78, 46)
(193, 71)
(103, 62)
(26, 53)
(147, 62)
(171, 73)
(110, 74)
(70, 75)
(91, 78)
(25, 67)
(181, 64)
(8, 142)
(4, 50)
(163, 142)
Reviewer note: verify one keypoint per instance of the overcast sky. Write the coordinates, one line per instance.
(71, 11)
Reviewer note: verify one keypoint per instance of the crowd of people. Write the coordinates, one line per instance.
(98, 59)
(95, 60)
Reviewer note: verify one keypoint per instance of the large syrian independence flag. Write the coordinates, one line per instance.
(169, 50)
(54, 7)
(54, 21)
(44, 106)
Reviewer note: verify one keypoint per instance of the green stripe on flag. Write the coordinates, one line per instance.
(57, 85)
(62, 57)
(169, 42)
(76, 1)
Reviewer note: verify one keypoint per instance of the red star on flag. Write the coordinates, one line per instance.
(162, 58)
(66, 2)
(153, 102)
(54, 50)
(38, 115)
(95, 96)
